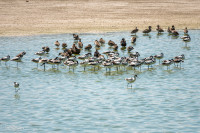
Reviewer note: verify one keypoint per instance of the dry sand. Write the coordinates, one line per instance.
(19, 17)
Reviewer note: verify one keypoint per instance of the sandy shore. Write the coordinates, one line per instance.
(19, 17)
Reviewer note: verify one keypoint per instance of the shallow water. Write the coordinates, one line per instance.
(60, 100)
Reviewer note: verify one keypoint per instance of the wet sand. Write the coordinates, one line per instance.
(19, 17)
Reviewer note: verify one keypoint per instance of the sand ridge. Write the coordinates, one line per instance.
(19, 17)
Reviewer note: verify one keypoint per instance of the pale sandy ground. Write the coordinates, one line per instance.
(19, 17)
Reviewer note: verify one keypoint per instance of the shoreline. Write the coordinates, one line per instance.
(100, 32)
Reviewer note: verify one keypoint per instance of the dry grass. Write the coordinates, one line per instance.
(19, 17)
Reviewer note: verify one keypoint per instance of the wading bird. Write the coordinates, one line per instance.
(16, 85)
(5, 59)
(134, 31)
(131, 80)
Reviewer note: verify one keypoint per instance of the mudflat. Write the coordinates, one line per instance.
(31, 17)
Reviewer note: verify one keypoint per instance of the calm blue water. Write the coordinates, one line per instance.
(63, 101)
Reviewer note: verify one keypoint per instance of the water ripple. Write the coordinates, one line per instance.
(161, 100)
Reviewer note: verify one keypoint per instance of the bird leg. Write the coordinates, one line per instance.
(127, 85)
(44, 66)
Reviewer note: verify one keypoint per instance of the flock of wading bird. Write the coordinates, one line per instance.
(107, 59)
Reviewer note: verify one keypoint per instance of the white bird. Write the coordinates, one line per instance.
(107, 52)
(43, 61)
(186, 38)
(17, 59)
(72, 64)
(40, 53)
(94, 63)
(131, 80)
(149, 62)
(180, 57)
(16, 85)
(84, 56)
(135, 64)
(5, 59)
(36, 60)
(116, 63)
(72, 58)
(159, 56)
(107, 64)
(167, 63)
(136, 54)
(57, 62)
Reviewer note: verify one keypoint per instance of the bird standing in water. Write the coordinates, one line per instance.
(131, 80)
(5, 59)
(16, 85)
